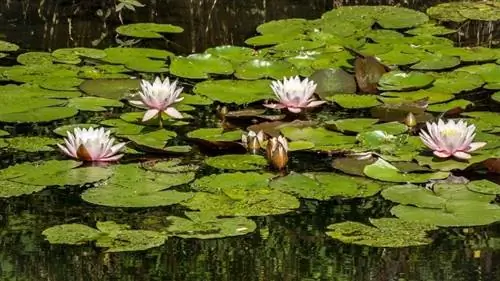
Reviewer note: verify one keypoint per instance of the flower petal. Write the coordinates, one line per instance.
(475, 145)
(442, 154)
(150, 114)
(461, 155)
(172, 112)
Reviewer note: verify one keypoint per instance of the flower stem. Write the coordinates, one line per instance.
(160, 121)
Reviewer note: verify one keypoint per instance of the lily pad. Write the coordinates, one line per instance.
(93, 103)
(215, 134)
(430, 29)
(234, 54)
(202, 226)
(235, 91)
(321, 137)
(35, 58)
(384, 171)
(39, 115)
(227, 181)
(32, 144)
(402, 81)
(54, 173)
(385, 232)
(199, 66)
(242, 162)
(8, 47)
(73, 55)
(457, 81)
(353, 101)
(436, 61)
(262, 68)
(147, 30)
(63, 130)
(12, 189)
(444, 107)
(261, 202)
(484, 186)
(333, 81)
(323, 186)
(110, 88)
(156, 139)
(62, 84)
(117, 238)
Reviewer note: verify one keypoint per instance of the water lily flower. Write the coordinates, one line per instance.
(91, 145)
(159, 97)
(294, 94)
(277, 152)
(253, 141)
(450, 139)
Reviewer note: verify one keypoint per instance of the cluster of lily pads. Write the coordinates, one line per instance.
(392, 66)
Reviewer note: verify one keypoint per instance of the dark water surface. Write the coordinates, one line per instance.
(290, 247)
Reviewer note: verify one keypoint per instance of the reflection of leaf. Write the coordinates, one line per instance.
(368, 71)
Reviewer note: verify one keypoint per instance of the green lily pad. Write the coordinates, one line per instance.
(356, 125)
(156, 139)
(457, 81)
(234, 54)
(39, 73)
(235, 91)
(401, 81)
(484, 186)
(284, 25)
(446, 12)
(4, 133)
(110, 88)
(385, 232)
(227, 181)
(261, 202)
(203, 226)
(139, 59)
(39, 115)
(353, 101)
(242, 162)
(319, 136)
(436, 61)
(32, 144)
(496, 96)
(8, 47)
(73, 234)
(63, 130)
(93, 103)
(298, 45)
(431, 95)
(199, 66)
(455, 214)
(449, 164)
(333, 81)
(490, 72)
(17, 103)
(396, 57)
(300, 145)
(472, 54)
(170, 166)
(384, 171)
(443, 107)
(323, 186)
(117, 238)
(12, 189)
(14, 93)
(430, 29)
(215, 134)
(73, 55)
(147, 30)
(391, 17)
(263, 68)
(35, 58)
(54, 173)
(62, 84)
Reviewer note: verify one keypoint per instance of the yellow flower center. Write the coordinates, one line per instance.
(449, 132)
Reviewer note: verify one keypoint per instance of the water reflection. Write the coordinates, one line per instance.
(51, 24)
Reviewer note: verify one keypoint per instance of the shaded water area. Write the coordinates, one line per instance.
(287, 247)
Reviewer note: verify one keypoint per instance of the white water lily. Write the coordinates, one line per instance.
(91, 145)
(450, 139)
(159, 97)
(294, 94)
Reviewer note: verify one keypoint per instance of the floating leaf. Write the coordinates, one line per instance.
(484, 186)
(12, 189)
(35, 58)
(234, 54)
(93, 103)
(384, 171)
(228, 181)
(235, 91)
(8, 47)
(321, 137)
(333, 81)
(387, 232)
(201, 226)
(63, 130)
(62, 84)
(73, 234)
(323, 186)
(457, 81)
(156, 139)
(352, 101)
(430, 29)
(215, 134)
(262, 68)
(32, 144)
(38, 115)
(237, 162)
(198, 66)
(147, 30)
(401, 81)
(262, 202)
(73, 55)
(436, 61)
(444, 107)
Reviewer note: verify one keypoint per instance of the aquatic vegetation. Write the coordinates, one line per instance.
(373, 74)
(294, 94)
(253, 141)
(92, 144)
(451, 139)
(159, 97)
(277, 152)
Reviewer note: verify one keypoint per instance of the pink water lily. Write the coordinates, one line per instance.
(450, 139)
(91, 145)
(294, 94)
(159, 97)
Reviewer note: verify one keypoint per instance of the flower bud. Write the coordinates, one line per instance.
(277, 152)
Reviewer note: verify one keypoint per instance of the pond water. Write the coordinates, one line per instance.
(361, 197)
